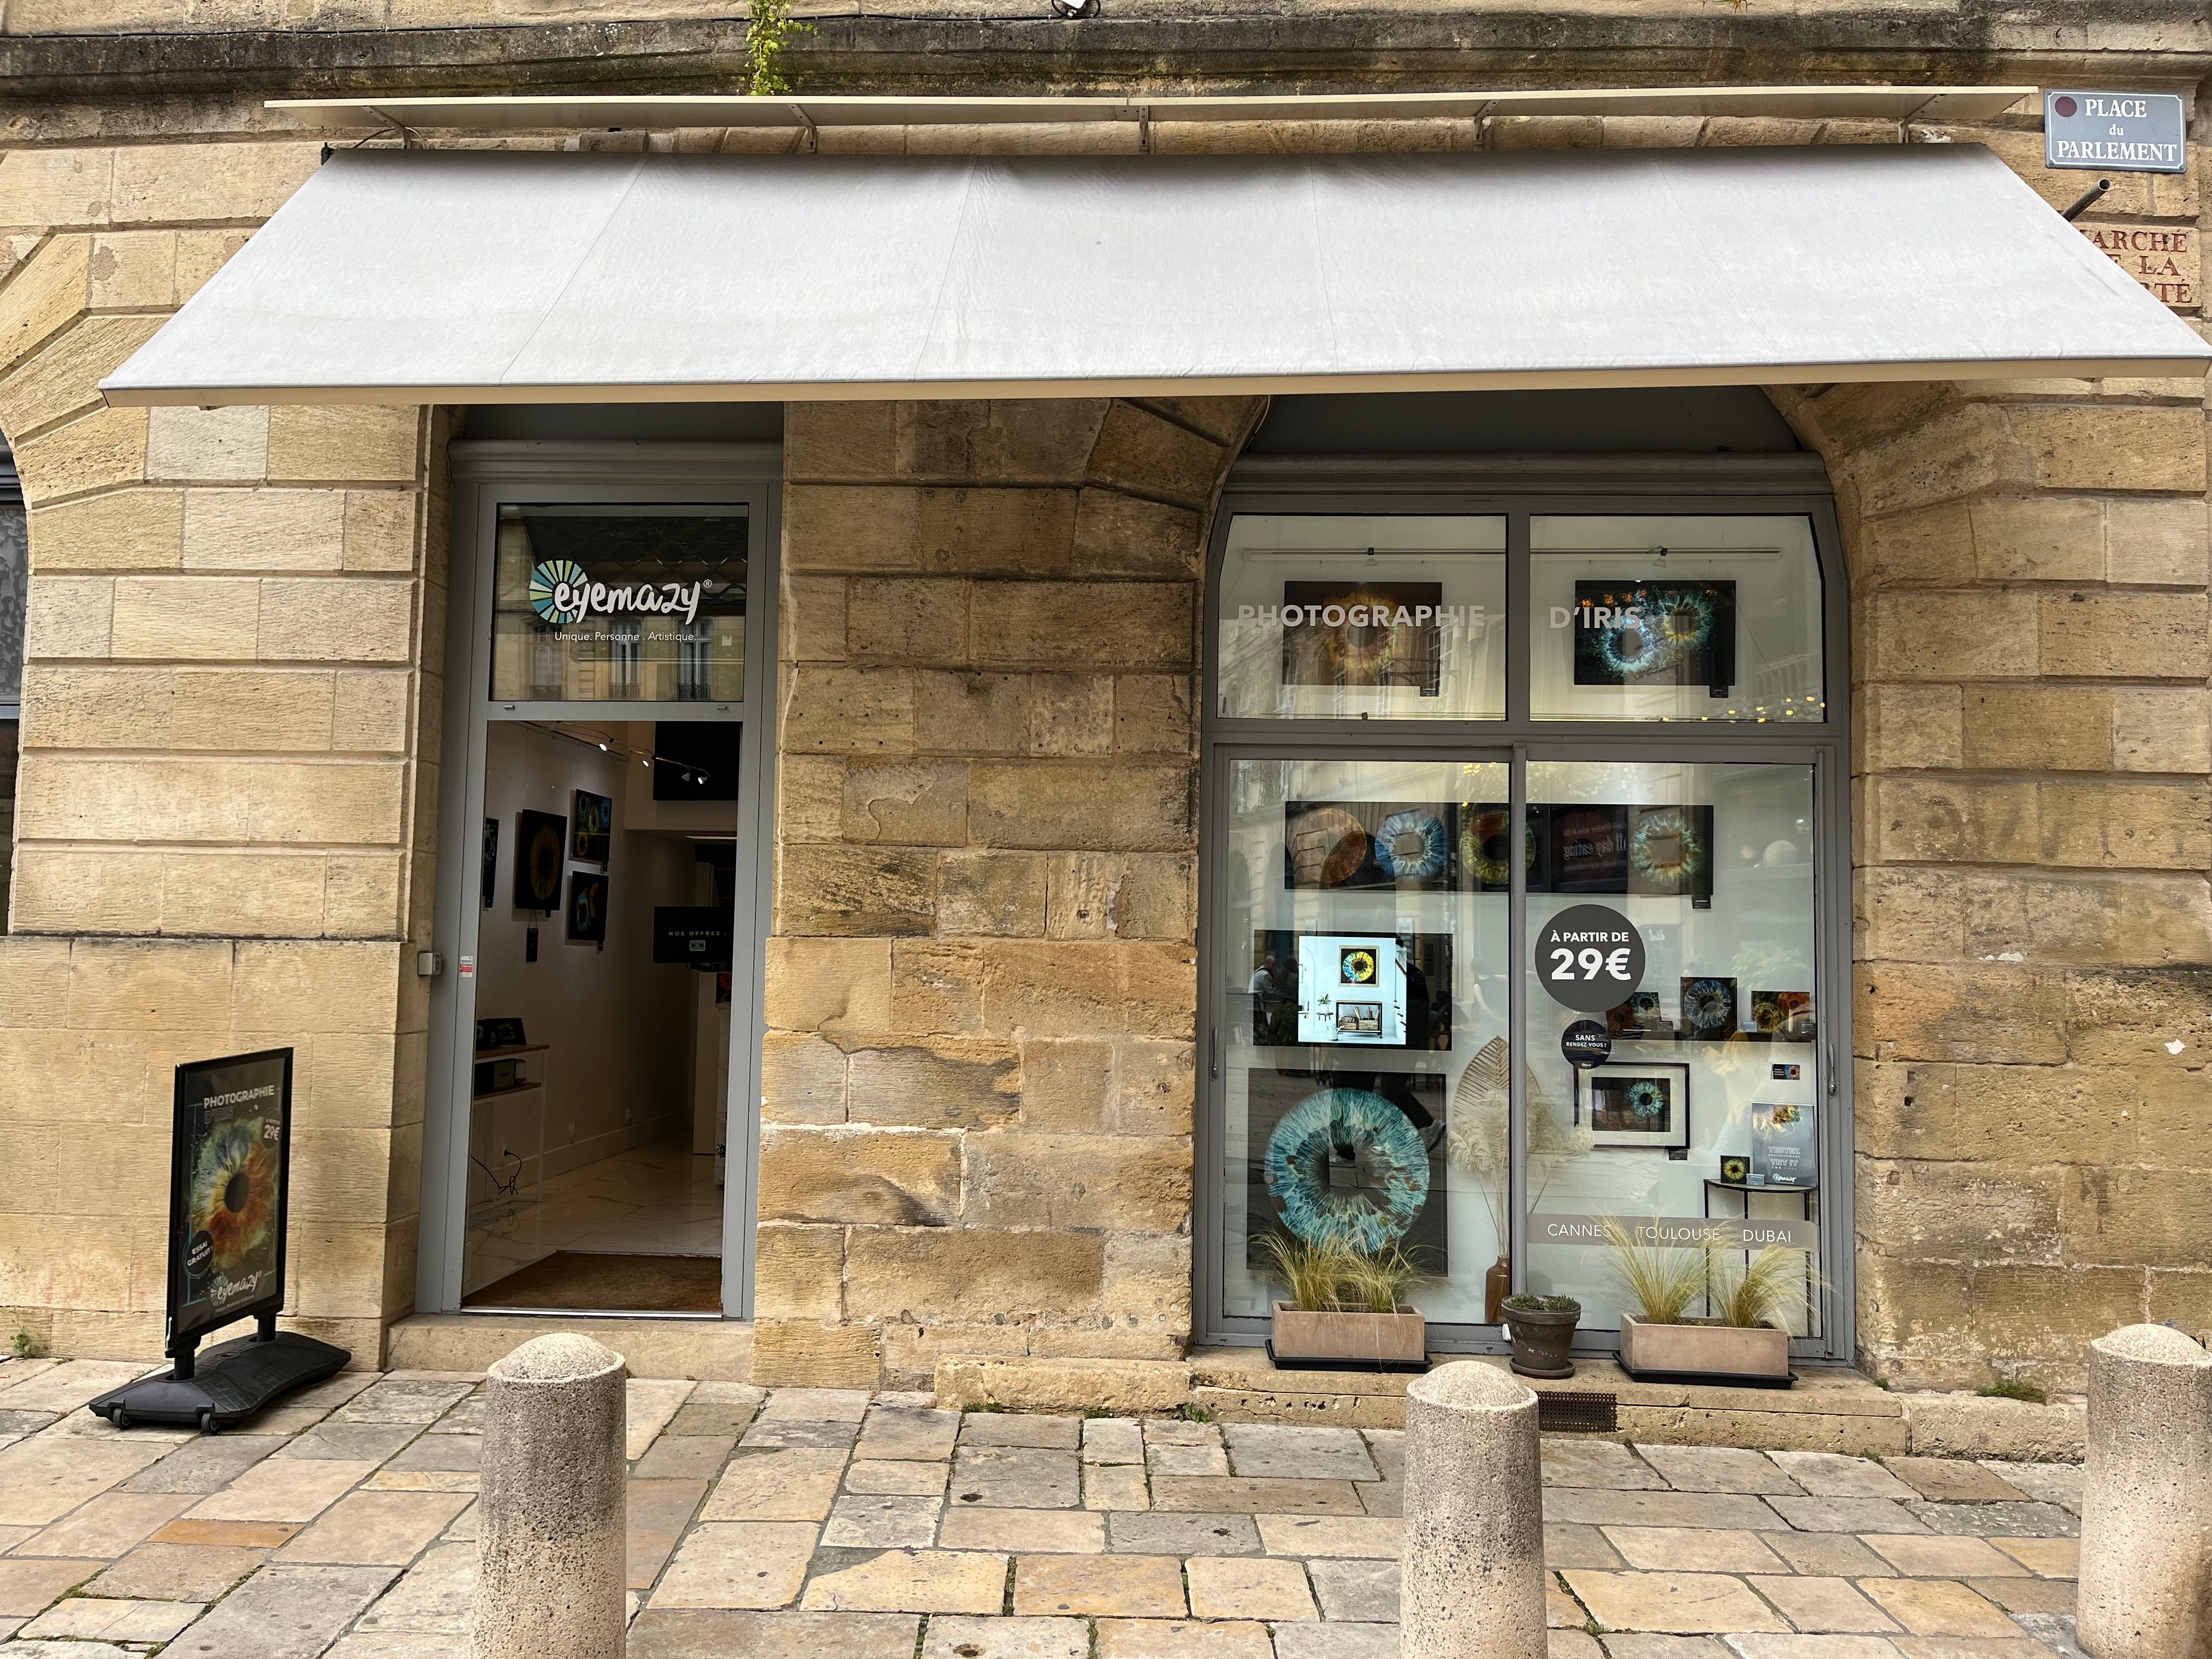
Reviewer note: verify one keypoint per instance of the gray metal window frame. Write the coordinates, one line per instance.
(487, 472)
(1518, 488)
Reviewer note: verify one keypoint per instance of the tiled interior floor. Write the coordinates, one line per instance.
(661, 1199)
(829, 1524)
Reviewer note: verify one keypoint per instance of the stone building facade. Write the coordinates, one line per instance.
(981, 1067)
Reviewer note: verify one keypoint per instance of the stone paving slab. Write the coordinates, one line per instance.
(1031, 1532)
(954, 1636)
(1172, 1533)
(913, 1581)
(286, 1612)
(815, 1523)
(661, 1633)
(179, 1572)
(28, 1585)
(1361, 1592)
(757, 1564)
(85, 1618)
(1718, 1468)
(1103, 1586)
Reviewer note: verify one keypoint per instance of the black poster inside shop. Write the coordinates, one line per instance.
(230, 1164)
(696, 935)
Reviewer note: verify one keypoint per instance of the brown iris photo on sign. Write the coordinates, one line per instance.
(1362, 634)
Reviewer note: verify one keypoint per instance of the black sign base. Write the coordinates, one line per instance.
(225, 1385)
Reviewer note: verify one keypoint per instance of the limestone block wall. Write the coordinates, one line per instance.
(225, 821)
(979, 1073)
(2033, 986)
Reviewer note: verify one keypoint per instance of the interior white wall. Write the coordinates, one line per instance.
(619, 1026)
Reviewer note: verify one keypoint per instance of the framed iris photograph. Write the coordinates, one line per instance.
(1709, 1008)
(1356, 844)
(1355, 1154)
(541, 844)
(1633, 1107)
(1362, 635)
(594, 827)
(1670, 851)
(1654, 632)
(587, 909)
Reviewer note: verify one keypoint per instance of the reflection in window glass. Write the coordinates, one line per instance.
(1672, 617)
(620, 604)
(1364, 1050)
(1382, 617)
(1709, 1108)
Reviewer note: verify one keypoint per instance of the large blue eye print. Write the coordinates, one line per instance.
(1329, 1126)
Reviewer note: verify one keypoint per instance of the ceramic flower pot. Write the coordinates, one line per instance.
(1541, 1338)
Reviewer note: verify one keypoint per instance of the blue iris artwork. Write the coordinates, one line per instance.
(1655, 633)
(1332, 1127)
(1411, 846)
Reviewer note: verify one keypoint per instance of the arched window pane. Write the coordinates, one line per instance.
(1381, 617)
(1674, 617)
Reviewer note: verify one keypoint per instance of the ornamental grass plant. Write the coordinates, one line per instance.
(1332, 1275)
(1664, 1281)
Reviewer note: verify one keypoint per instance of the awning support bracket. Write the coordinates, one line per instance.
(2089, 199)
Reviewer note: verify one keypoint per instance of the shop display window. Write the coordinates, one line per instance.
(1707, 1108)
(1674, 617)
(1366, 961)
(1369, 618)
(1383, 1077)
(596, 604)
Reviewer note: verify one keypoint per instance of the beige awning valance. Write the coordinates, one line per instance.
(486, 277)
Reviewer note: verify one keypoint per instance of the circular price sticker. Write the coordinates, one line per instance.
(1585, 1044)
(1589, 957)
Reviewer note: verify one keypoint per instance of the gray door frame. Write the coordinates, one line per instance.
(486, 473)
(1517, 488)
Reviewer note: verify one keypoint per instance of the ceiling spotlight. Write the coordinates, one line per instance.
(602, 749)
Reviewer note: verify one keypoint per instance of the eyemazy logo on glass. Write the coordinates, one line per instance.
(562, 592)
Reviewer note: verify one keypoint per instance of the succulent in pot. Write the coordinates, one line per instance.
(1346, 1305)
(1543, 1330)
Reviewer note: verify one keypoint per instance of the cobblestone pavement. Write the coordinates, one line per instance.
(812, 1523)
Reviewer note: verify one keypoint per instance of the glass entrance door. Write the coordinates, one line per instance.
(1362, 1057)
(589, 1142)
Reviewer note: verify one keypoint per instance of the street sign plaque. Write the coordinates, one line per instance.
(2114, 132)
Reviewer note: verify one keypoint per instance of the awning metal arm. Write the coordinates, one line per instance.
(2089, 198)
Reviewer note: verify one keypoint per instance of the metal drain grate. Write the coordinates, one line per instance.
(1577, 1413)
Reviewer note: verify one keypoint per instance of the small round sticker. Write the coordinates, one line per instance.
(1585, 1044)
(1589, 957)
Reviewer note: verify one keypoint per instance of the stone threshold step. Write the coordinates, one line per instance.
(699, 1349)
(1831, 1409)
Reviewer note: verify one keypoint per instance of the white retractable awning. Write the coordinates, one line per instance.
(490, 276)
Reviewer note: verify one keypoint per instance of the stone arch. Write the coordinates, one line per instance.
(2033, 933)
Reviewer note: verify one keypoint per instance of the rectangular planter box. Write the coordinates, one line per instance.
(1703, 1346)
(1400, 1338)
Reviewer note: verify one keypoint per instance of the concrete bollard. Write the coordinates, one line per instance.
(2146, 1586)
(1472, 1576)
(549, 1568)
